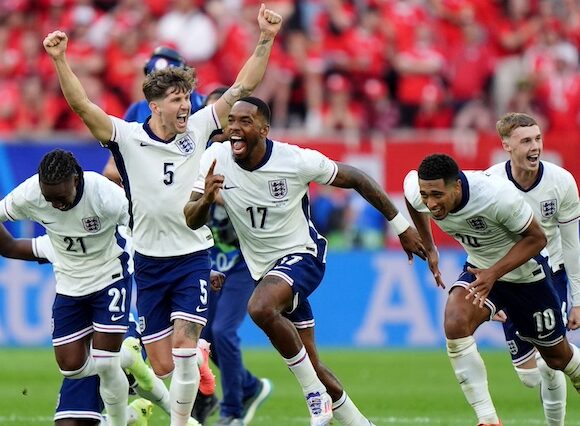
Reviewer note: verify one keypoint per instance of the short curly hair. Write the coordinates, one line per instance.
(158, 82)
(439, 166)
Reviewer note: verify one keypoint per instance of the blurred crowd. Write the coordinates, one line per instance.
(345, 66)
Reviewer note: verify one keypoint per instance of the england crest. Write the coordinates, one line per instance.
(278, 188)
(477, 223)
(92, 224)
(549, 207)
(186, 145)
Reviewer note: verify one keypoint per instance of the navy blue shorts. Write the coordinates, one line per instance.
(168, 289)
(105, 311)
(534, 308)
(79, 399)
(304, 273)
(522, 350)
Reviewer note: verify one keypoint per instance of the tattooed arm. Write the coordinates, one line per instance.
(253, 70)
(351, 177)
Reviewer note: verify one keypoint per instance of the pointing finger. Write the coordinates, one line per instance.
(211, 168)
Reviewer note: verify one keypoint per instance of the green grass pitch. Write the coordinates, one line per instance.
(391, 387)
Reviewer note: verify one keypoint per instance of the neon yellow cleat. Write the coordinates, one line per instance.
(144, 409)
(138, 368)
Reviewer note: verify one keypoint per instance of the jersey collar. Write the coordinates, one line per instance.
(152, 135)
(508, 170)
(464, 193)
(266, 157)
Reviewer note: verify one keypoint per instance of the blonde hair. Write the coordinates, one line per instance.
(511, 121)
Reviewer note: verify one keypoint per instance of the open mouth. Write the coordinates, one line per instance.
(238, 145)
(534, 159)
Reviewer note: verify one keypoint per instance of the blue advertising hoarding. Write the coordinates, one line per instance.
(367, 299)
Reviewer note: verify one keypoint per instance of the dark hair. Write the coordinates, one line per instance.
(263, 108)
(511, 121)
(179, 79)
(219, 91)
(438, 166)
(57, 166)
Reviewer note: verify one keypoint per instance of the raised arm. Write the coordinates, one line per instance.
(15, 248)
(253, 70)
(92, 115)
(351, 177)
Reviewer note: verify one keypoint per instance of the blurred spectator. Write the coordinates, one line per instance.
(340, 112)
(560, 91)
(418, 66)
(382, 114)
(387, 50)
(470, 64)
(36, 110)
(515, 31)
(523, 100)
(433, 112)
(476, 115)
(187, 27)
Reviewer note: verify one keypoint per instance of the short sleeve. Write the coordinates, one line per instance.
(42, 248)
(569, 210)
(412, 193)
(114, 201)
(14, 206)
(316, 167)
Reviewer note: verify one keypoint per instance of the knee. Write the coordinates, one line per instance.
(556, 363)
(162, 368)
(261, 311)
(455, 325)
(530, 377)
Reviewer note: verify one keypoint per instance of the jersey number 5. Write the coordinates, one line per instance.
(168, 173)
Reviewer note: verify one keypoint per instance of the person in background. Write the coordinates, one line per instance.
(552, 193)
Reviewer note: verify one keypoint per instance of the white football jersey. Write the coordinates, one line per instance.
(42, 247)
(88, 253)
(554, 200)
(158, 177)
(488, 222)
(269, 205)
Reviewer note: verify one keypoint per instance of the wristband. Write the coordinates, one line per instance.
(399, 224)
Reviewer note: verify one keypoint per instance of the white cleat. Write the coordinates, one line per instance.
(320, 407)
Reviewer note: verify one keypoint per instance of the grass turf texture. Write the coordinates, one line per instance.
(390, 387)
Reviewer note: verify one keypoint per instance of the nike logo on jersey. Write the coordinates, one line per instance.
(183, 403)
(229, 187)
(144, 144)
(200, 309)
(116, 317)
(46, 223)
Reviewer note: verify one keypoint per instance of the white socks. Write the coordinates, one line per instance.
(347, 413)
(553, 392)
(572, 370)
(114, 387)
(472, 376)
(184, 384)
(302, 368)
